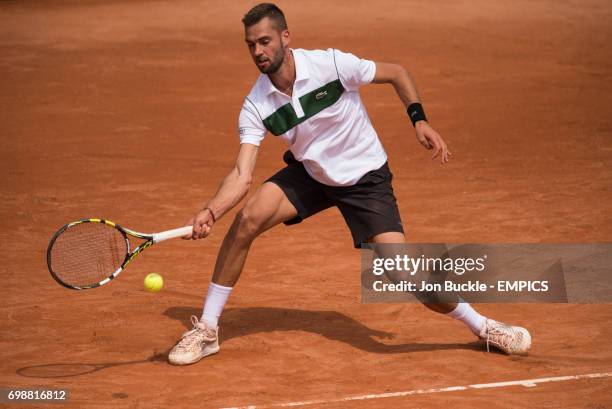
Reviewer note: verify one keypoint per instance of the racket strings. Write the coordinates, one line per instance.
(87, 253)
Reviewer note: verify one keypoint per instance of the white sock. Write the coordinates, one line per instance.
(215, 301)
(466, 314)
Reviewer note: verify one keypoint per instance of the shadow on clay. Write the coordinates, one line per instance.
(240, 322)
(66, 370)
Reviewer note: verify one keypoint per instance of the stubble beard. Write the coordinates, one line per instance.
(276, 63)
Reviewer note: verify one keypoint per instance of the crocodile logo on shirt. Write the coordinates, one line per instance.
(321, 95)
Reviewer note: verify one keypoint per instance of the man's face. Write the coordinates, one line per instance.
(267, 45)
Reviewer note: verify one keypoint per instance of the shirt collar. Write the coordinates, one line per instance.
(301, 72)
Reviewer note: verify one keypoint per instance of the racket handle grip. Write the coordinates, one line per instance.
(172, 234)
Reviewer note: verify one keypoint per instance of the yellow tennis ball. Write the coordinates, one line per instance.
(153, 282)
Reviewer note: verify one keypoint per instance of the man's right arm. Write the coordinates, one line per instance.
(232, 190)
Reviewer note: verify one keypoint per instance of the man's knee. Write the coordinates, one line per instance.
(248, 224)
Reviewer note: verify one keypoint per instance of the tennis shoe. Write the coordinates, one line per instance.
(195, 344)
(506, 338)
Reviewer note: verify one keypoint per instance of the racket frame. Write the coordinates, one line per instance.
(129, 256)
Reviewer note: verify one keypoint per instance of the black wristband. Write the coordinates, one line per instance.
(416, 113)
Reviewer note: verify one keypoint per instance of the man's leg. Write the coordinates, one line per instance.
(397, 237)
(268, 207)
(512, 340)
(371, 213)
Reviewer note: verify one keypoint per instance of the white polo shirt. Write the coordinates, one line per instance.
(324, 122)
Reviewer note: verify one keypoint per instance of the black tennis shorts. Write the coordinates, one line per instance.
(369, 207)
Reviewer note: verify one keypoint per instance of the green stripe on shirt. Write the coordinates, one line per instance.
(285, 118)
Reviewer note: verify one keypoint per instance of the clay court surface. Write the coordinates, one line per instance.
(128, 111)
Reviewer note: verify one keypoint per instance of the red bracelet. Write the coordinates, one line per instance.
(211, 214)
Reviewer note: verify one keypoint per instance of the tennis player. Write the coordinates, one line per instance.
(310, 99)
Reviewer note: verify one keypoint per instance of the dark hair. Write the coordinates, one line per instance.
(262, 10)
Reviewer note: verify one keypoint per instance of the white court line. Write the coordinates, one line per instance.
(525, 382)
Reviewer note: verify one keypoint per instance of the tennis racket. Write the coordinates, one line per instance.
(89, 253)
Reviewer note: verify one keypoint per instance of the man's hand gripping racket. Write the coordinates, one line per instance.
(202, 223)
(91, 252)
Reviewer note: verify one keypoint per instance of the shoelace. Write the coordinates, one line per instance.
(506, 333)
(199, 333)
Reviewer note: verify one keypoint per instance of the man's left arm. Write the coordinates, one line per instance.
(397, 76)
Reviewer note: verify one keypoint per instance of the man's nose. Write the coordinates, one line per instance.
(258, 50)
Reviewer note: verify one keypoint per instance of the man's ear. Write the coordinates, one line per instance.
(285, 38)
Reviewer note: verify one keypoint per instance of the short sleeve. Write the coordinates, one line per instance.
(353, 71)
(250, 126)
